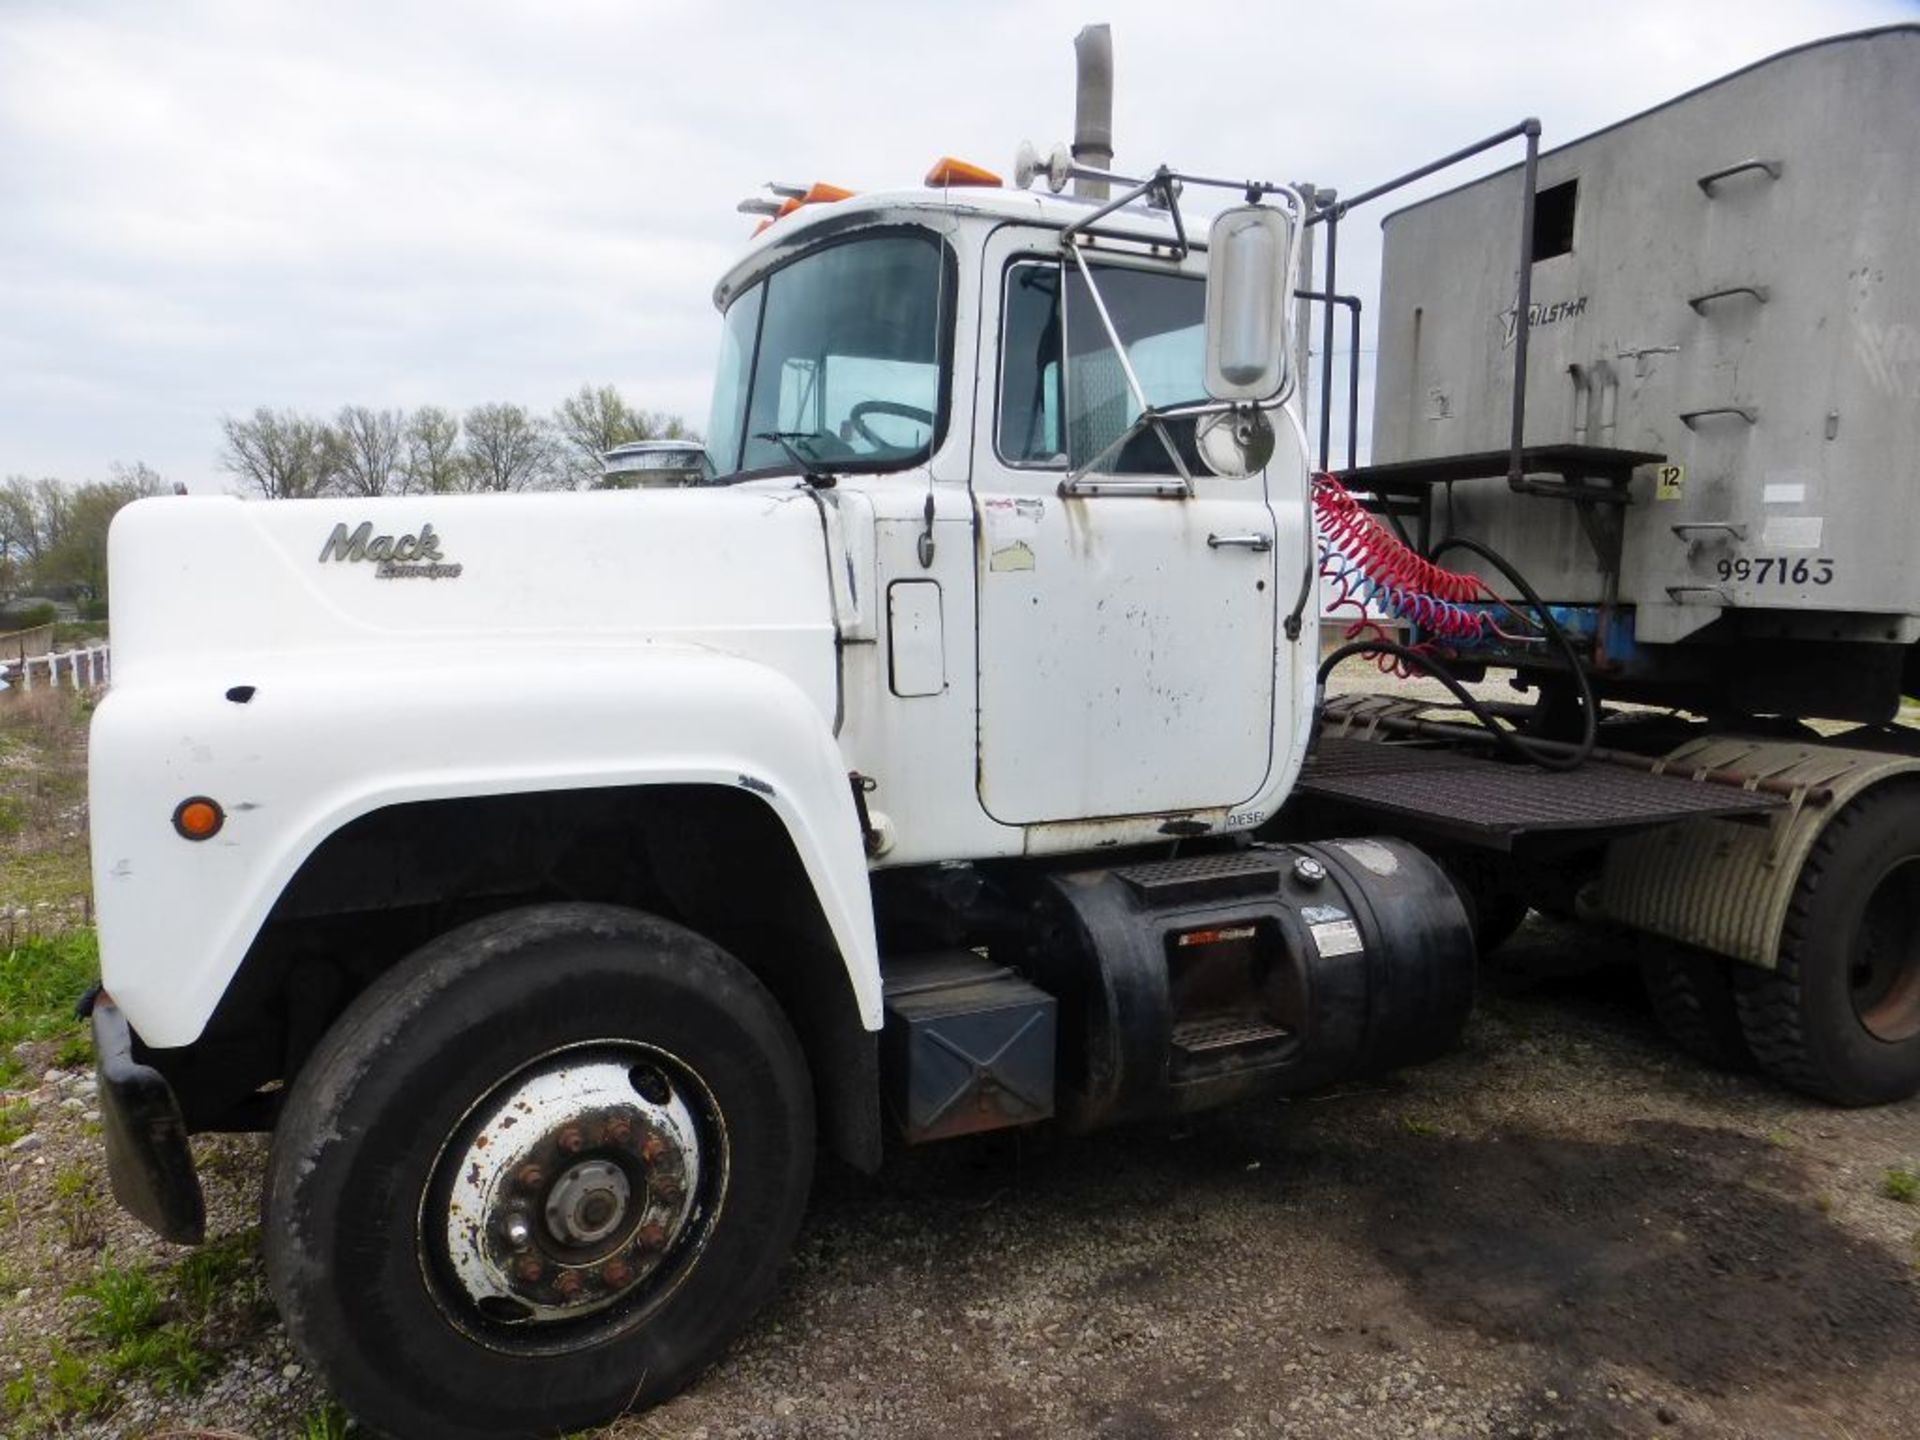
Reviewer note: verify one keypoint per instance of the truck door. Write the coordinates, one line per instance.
(1126, 628)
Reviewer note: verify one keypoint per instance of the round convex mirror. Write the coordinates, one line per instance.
(1235, 442)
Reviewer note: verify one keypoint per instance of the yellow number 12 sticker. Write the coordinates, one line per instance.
(1668, 481)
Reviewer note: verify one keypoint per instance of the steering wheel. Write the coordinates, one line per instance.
(857, 417)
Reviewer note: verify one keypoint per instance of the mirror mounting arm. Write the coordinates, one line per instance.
(1148, 414)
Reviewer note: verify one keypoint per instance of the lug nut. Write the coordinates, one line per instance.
(619, 1132)
(570, 1140)
(651, 1236)
(519, 1232)
(616, 1273)
(528, 1271)
(530, 1177)
(652, 1147)
(566, 1284)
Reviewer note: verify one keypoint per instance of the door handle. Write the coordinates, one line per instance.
(1258, 543)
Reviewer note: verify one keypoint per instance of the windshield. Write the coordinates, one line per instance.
(1161, 320)
(834, 362)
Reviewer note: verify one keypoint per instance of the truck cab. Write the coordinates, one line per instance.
(548, 871)
(1028, 666)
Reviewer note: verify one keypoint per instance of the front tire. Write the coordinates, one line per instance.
(538, 1174)
(1839, 1015)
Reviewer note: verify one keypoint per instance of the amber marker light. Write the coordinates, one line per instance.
(948, 171)
(198, 818)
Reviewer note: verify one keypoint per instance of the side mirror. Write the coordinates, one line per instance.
(1249, 295)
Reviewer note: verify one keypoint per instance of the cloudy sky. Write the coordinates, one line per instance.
(211, 205)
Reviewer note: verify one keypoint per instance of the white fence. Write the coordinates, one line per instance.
(87, 669)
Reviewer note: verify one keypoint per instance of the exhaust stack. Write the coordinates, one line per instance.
(1093, 106)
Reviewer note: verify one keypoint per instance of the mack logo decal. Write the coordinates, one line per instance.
(404, 557)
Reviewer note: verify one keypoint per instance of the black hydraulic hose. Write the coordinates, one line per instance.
(1507, 738)
(1589, 706)
(1532, 754)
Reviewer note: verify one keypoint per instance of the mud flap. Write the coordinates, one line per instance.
(149, 1162)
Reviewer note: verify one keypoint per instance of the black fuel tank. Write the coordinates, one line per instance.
(1187, 983)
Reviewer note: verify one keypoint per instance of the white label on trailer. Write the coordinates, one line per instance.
(1784, 494)
(1337, 937)
(1792, 532)
(1669, 482)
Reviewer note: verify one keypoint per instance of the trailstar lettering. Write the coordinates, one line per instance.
(409, 557)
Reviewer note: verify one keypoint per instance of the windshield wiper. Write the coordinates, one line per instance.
(791, 441)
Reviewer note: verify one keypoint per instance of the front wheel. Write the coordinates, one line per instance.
(538, 1174)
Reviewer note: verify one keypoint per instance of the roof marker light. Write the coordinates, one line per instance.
(786, 199)
(948, 171)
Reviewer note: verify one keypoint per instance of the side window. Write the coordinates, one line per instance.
(1053, 420)
(1161, 320)
(1029, 431)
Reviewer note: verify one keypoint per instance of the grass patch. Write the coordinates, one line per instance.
(1414, 1125)
(122, 1304)
(39, 982)
(141, 1331)
(75, 1052)
(329, 1422)
(168, 1358)
(212, 1272)
(16, 1119)
(1901, 1185)
(49, 878)
(79, 1207)
(67, 1387)
(43, 791)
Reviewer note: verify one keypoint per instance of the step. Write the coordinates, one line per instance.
(1206, 877)
(1209, 1034)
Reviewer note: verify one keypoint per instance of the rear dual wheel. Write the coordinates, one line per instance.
(538, 1174)
(1839, 1015)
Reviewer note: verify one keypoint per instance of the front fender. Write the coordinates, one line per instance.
(317, 746)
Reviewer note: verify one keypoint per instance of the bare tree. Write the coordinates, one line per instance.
(433, 461)
(370, 449)
(659, 425)
(278, 454)
(19, 534)
(590, 423)
(506, 448)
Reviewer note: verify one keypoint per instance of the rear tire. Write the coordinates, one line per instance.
(1839, 1016)
(1490, 892)
(1693, 999)
(449, 1274)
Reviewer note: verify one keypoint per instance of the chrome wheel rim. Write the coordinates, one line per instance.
(573, 1197)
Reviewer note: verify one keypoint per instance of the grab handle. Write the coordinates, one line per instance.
(1707, 182)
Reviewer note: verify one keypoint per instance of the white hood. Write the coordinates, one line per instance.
(220, 586)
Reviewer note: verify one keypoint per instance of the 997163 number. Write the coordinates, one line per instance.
(1779, 569)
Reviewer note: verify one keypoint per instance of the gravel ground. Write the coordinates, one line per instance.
(1564, 1230)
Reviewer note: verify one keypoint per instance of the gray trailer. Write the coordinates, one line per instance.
(1710, 473)
(1725, 311)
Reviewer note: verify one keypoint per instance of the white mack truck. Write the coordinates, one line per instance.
(552, 873)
